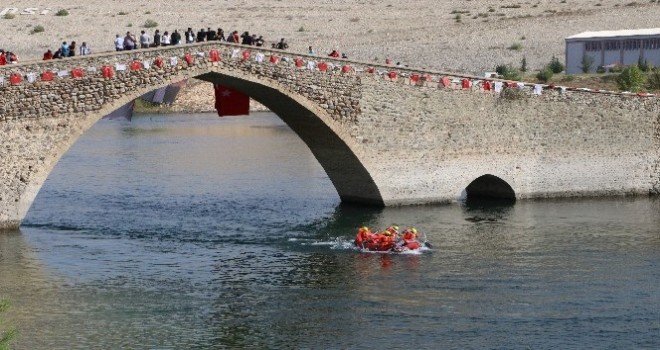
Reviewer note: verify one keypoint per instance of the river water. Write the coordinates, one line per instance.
(195, 232)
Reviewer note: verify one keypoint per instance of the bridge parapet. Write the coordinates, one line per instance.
(293, 61)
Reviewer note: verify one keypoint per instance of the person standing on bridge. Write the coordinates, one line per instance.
(220, 36)
(201, 36)
(85, 49)
(157, 38)
(145, 39)
(282, 45)
(165, 39)
(210, 34)
(48, 55)
(190, 36)
(119, 43)
(129, 42)
(175, 38)
(72, 49)
(65, 49)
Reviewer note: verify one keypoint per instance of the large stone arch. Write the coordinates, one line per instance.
(337, 153)
(331, 145)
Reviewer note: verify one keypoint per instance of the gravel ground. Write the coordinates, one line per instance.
(422, 33)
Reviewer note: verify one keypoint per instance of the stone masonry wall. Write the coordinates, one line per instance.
(557, 144)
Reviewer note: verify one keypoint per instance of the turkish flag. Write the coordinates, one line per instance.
(230, 102)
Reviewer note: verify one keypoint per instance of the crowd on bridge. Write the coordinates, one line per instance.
(158, 39)
(68, 50)
(130, 41)
(7, 57)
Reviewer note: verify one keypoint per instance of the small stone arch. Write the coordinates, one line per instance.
(490, 187)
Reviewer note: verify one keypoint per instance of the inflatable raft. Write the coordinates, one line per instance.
(389, 240)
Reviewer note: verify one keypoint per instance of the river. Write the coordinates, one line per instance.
(198, 232)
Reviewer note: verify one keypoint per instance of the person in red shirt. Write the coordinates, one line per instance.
(48, 55)
(334, 54)
(363, 237)
(3, 58)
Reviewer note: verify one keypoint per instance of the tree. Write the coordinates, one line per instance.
(556, 66)
(643, 65)
(631, 79)
(586, 63)
(545, 74)
(7, 335)
(523, 64)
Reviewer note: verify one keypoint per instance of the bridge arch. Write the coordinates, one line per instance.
(490, 187)
(331, 145)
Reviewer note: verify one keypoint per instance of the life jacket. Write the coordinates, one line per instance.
(408, 236)
(412, 244)
(3, 59)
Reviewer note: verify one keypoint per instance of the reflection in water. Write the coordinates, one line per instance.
(203, 233)
(487, 209)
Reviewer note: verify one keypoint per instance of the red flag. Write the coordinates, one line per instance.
(231, 102)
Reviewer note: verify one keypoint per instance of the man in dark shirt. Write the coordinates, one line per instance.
(210, 34)
(282, 45)
(201, 35)
(157, 38)
(190, 36)
(175, 38)
(247, 39)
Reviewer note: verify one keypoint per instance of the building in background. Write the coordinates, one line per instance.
(612, 47)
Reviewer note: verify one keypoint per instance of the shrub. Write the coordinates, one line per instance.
(600, 70)
(457, 18)
(150, 24)
(301, 29)
(515, 47)
(545, 74)
(586, 63)
(122, 13)
(631, 79)
(616, 69)
(7, 335)
(653, 82)
(508, 72)
(556, 66)
(643, 65)
(38, 29)
(9, 16)
(512, 94)
(62, 12)
(653, 79)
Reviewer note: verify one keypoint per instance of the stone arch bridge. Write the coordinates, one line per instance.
(382, 139)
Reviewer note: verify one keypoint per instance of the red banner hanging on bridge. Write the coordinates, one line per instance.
(230, 102)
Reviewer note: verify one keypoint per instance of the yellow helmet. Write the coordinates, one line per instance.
(364, 228)
(395, 227)
(387, 233)
(413, 230)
